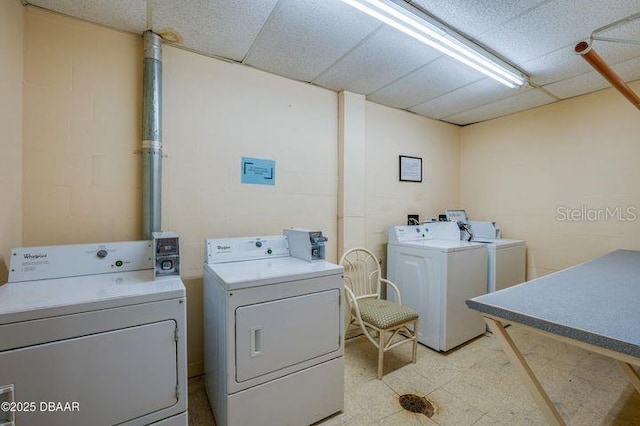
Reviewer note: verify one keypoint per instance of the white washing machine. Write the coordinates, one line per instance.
(273, 334)
(435, 277)
(88, 327)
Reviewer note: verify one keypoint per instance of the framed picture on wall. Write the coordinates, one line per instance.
(410, 169)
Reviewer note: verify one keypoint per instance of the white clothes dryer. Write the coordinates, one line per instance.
(273, 334)
(507, 259)
(435, 277)
(88, 326)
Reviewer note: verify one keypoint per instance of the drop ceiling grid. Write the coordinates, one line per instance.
(434, 79)
(592, 81)
(526, 100)
(381, 59)
(225, 29)
(564, 63)
(552, 26)
(465, 98)
(302, 39)
(479, 16)
(627, 30)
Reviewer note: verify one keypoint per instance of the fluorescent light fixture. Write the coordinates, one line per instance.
(426, 29)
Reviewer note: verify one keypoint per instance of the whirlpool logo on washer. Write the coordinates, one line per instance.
(29, 256)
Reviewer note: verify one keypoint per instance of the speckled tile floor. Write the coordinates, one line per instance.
(473, 385)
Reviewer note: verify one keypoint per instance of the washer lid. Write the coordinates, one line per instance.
(500, 243)
(29, 300)
(446, 246)
(253, 273)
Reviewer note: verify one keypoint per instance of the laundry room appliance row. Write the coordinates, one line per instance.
(436, 269)
(87, 327)
(273, 327)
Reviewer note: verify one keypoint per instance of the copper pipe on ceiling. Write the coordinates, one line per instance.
(591, 56)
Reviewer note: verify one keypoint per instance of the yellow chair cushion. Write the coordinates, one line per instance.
(383, 314)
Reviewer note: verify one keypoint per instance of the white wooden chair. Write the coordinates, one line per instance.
(386, 324)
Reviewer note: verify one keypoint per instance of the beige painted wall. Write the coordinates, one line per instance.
(82, 108)
(11, 44)
(214, 114)
(518, 170)
(390, 133)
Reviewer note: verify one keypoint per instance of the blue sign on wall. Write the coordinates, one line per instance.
(258, 171)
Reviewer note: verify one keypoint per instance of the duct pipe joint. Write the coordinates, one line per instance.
(152, 45)
(152, 145)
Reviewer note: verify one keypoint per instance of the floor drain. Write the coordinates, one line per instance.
(416, 404)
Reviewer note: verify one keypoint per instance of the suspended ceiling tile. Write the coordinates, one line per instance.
(592, 81)
(554, 66)
(379, 60)
(565, 63)
(475, 17)
(127, 15)
(615, 53)
(220, 28)
(579, 85)
(553, 25)
(626, 30)
(520, 102)
(470, 96)
(628, 70)
(303, 38)
(434, 79)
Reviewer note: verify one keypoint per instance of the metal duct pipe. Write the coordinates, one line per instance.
(586, 51)
(151, 134)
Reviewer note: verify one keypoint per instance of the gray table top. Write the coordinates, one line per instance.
(596, 302)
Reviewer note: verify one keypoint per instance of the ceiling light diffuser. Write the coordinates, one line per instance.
(426, 29)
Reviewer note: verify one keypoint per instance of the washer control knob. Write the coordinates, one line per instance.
(269, 251)
(102, 254)
(258, 243)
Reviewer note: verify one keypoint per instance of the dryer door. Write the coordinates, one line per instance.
(101, 379)
(282, 333)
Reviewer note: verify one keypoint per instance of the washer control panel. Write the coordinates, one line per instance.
(410, 233)
(220, 250)
(50, 262)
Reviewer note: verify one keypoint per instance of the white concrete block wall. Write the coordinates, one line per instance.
(82, 96)
(390, 133)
